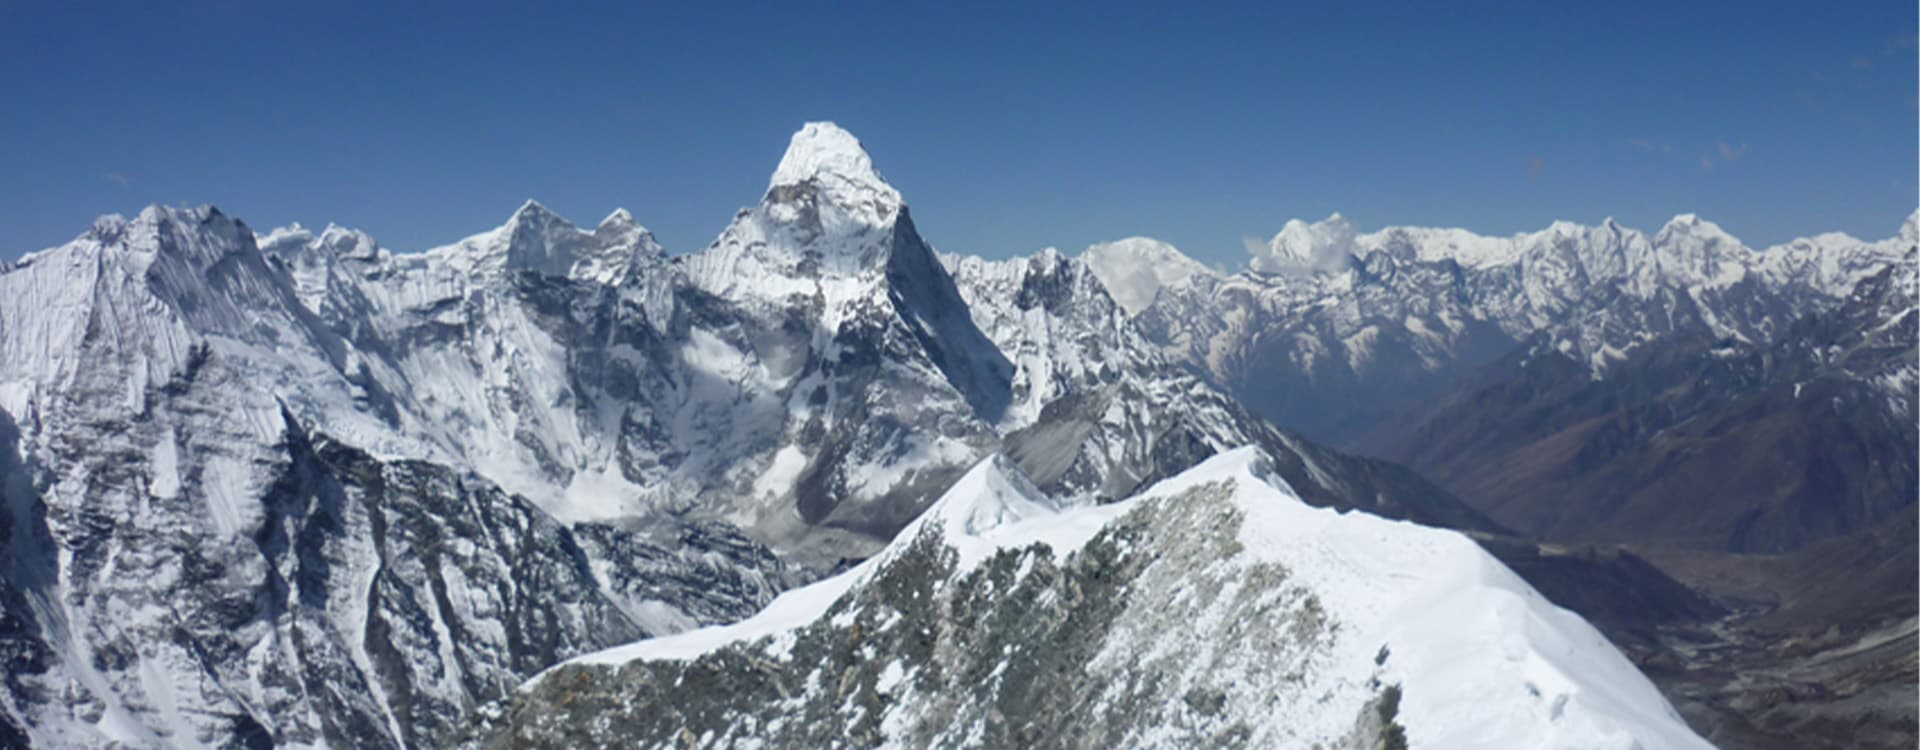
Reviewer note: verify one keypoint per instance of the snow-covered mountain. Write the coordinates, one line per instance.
(226, 525)
(1335, 332)
(1136, 268)
(294, 488)
(1738, 411)
(1212, 609)
(1099, 411)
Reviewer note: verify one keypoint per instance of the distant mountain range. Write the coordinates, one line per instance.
(1562, 362)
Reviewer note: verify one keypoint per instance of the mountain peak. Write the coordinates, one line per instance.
(1318, 246)
(822, 149)
(533, 212)
(827, 161)
(619, 219)
(1134, 269)
(1690, 224)
(621, 229)
(826, 211)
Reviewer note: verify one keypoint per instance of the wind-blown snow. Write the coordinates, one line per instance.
(1134, 269)
(1303, 247)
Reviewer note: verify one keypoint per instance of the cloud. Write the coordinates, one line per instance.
(116, 178)
(1706, 163)
(1731, 153)
(1649, 146)
(1535, 167)
(1300, 247)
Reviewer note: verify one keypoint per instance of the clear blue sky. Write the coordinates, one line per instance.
(1008, 128)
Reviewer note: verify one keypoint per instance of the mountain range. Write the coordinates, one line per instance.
(291, 488)
(1713, 407)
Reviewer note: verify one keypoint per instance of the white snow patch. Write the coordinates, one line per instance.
(781, 472)
(165, 467)
(594, 495)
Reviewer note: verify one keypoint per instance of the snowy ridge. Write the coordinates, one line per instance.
(1476, 658)
(538, 240)
(991, 495)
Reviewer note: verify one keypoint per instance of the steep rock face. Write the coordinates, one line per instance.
(360, 602)
(887, 389)
(1215, 609)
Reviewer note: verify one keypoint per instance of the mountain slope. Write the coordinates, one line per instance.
(1821, 423)
(1216, 608)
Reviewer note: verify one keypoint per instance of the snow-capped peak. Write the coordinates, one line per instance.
(827, 212)
(1565, 228)
(1135, 269)
(1692, 250)
(619, 219)
(620, 229)
(539, 240)
(827, 179)
(532, 212)
(201, 235)
(345, 242)
(1300, 246)
(1698, 230)
(823, 150)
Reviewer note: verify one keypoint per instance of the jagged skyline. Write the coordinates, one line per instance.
(1013, 130)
